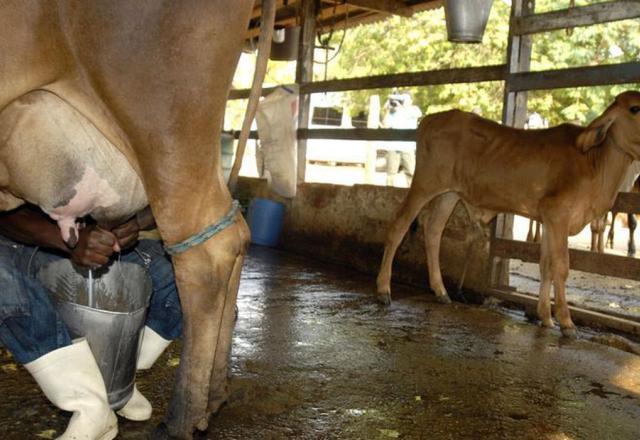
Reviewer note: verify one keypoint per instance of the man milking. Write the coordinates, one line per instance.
(31, 329)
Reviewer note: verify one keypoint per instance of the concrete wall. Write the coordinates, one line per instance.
(348, 226)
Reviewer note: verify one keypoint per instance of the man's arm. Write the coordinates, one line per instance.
(31, 226)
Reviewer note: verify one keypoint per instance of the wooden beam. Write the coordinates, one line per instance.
(304, 74)
(580, 16)
(593, 262)
(411, 79)
(623, 73)
(580, 315)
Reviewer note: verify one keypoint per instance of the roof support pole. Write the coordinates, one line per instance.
(304, 74)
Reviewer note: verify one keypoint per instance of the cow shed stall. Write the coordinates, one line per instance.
(488, 272)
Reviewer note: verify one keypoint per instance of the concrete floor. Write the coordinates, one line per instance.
(316, 358)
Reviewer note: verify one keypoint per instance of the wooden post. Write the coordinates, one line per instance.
(514, 113)
(304, 74)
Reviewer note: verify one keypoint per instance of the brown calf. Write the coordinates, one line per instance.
(563, 176)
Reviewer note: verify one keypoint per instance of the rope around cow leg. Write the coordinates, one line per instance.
(206, 233)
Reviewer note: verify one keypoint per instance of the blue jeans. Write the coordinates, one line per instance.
(29, 324)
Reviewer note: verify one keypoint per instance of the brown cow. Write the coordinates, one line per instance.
(563, 176)
(151, 78)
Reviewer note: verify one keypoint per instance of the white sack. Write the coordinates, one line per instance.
(277, 154)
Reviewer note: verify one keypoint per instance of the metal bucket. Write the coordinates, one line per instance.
(466, 19)
(108, 306)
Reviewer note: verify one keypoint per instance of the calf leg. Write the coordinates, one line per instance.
(559, 255)
(408, 211)
(544, 297)
(597, 234)
(633, 223)
(610, 237)
(440, 211)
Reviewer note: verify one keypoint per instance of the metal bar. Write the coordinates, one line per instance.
(580, 16)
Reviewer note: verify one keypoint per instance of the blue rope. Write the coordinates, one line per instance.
(206, 233)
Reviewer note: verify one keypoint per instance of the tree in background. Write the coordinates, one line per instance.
(419, 43)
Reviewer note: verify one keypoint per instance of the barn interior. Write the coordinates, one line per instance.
(315, 356)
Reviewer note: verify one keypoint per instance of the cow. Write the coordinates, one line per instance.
(149, 80)
(563, 176)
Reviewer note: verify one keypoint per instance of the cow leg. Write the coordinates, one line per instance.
(407, 213)
(633, 223)
(544, 297)
(218, 388)
(440, 210)
(207, 281)
(558, 246)
(610, 237)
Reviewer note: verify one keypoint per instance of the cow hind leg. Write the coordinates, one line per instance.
(440, 210)
(207, 281)
(218, 387)
(544, 297)
(558, 246)
(413, 203)
(597, 234)
(633, 223)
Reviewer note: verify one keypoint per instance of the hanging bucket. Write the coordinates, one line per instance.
(108, 308)
(265, 221)
(466, 19)
(284, 46)
(227, 150)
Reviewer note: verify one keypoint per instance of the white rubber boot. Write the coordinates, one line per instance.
(152, 346)
(71, 380)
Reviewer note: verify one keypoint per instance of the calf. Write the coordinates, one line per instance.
(563, 176)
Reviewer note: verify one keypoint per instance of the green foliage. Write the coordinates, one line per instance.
(419, 43)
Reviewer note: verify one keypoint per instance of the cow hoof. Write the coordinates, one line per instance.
(547, 323)
(384, 299)
(570, 333)
(443, 299)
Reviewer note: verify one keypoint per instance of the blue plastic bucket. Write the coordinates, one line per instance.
(265, 221)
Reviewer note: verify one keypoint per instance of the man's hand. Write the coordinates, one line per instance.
(95, 247)
(127, 233)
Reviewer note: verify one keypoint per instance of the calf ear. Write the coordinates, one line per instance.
(594, 134)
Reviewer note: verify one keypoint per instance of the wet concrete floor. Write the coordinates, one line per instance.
(315, 357)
